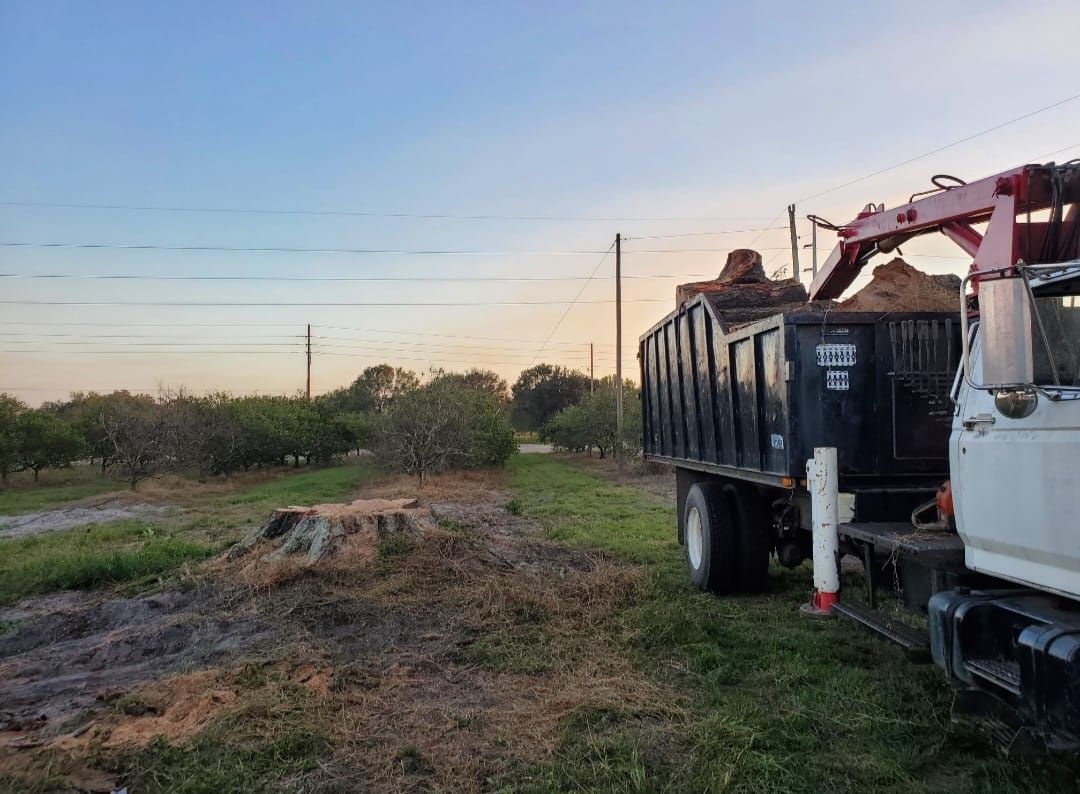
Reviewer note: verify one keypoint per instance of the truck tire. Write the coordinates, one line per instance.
(709, 540)
(752, 538)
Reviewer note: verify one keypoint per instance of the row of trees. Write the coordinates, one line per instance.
(455, 419)
(458, 420)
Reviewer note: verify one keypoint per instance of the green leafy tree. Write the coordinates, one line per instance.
(445, 425)
(593, 422)
(542, 391)
(83, 411)
(481, 380)
(374, 390)
(46, 441)
(10, 411)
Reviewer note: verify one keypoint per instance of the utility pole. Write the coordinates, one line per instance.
(592, 375)
(309, 362)
(618, 350)
(794, 241)
(813, 246)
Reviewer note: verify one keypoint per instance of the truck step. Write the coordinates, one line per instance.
(915, 642)
(1001, 673)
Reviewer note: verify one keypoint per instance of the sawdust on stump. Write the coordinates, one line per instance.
(898, 287)
(308, 535)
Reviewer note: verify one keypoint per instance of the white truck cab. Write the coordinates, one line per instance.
(1015, 444)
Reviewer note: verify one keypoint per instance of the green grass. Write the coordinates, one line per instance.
(776, 701)
(88, 557)
(55, 487)
(131, 550)
(305, 487)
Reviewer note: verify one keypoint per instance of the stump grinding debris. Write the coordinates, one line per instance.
(319, 530)
(743, 294)
(898, 287)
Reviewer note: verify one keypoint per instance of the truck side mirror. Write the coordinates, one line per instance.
(1005, 330)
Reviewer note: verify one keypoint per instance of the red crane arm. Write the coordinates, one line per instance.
(995, 200)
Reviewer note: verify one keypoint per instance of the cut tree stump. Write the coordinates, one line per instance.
(742, 293)
(318, 531)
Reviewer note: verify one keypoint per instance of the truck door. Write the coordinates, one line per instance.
(1014, 467)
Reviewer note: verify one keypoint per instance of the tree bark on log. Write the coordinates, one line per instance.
(318, 531)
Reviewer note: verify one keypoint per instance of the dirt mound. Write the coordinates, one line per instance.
(898, 287)
(742, 293)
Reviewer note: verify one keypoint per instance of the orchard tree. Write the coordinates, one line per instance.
(137, 433)
(46, 441)
(593, 422)
(542, 391)
(374, 390)
(10, 411)
(483, 380)
(444, 425)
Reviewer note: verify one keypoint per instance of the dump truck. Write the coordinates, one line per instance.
(956, 437)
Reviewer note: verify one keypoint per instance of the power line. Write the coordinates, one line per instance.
(701, 234)
(426, 334)
(153, 352)
(924, 155)
(396, 304)
(373, 214)
(422, 346)
(135, 343)
(577, 297)
(446, 336)
(297, 339)
(38, 334)
(351, 251)
(156, 277)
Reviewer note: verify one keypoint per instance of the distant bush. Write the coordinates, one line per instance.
(592, 422)
(445, 424)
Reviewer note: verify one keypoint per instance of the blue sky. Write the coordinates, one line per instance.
(721, 112)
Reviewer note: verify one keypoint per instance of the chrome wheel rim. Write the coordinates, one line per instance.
(694, 539)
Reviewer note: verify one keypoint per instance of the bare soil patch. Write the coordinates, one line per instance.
(94, 510)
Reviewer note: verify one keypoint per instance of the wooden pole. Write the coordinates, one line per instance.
(592, 371)
(794, 241)
(309, 362)
(618, 349)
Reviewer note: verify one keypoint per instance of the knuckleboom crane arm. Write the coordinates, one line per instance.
(996, 200)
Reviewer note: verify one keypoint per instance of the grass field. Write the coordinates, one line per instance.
(55, 486)
(208, 517)
(737, 694)
(777, 702)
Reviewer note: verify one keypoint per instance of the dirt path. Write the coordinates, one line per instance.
(98, 510)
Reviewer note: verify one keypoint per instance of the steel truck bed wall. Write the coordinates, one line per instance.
(754, 403)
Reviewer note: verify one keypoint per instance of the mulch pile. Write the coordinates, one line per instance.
(897, 286)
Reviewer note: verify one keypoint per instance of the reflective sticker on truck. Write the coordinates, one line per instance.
(836, 380)
(835, 355)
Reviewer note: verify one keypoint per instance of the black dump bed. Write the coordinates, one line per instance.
(755, 401)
